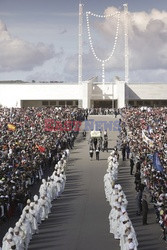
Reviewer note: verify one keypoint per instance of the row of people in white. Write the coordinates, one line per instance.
(37, 210)
(120, 223)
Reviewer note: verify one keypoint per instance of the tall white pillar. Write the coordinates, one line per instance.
(126, 43)
(80, 40)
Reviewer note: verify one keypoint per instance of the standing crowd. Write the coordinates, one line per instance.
(143, 140)
(120, 224)
(29, 147)
(103, 111)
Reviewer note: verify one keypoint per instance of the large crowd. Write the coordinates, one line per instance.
(37, 209)
(28, 148)
(33, 140)
(143, 140)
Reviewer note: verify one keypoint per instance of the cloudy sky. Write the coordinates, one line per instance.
(39, 40)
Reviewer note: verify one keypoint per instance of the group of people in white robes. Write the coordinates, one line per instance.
(120, 224)
(37, 210)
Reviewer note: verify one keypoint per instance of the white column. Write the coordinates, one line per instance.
(80, 34)
(121, 94)
(112, 95)
(126, 43)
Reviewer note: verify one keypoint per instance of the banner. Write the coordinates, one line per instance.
(156, 162)
(95, 134)
(147, 140)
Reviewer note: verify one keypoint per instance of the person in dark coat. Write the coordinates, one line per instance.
(144, 209)
(91, 152)
(137, 179)
(131, 163)
(123, 151)
(127, 150)
(95, 143)
(97, 153)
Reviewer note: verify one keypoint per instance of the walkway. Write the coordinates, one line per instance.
(79, 218)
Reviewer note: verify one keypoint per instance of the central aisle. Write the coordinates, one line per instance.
(79, 218)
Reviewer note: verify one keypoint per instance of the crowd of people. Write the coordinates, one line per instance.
(120, 223)
(30, 145)
(103, 111)
(36, 210)
(143, 139)
(28, 149)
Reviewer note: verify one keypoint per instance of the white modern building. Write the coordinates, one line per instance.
(88, 94)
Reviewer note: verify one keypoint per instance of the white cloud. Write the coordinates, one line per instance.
(16, 54)
(147, 39)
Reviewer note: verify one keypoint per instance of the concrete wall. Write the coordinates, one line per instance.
(12, 94)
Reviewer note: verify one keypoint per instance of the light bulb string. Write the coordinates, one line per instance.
(90, 37)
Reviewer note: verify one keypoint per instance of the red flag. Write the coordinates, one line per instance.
(40, 148)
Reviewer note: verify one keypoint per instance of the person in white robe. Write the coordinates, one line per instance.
(65, 164)
(33, 218)
(37, 209)
(111, 156)
(50, 189)
(21, 233)
(117, 222)
(114, 196)
(53, 188)
(130, 244)
(114, 173)
(58, 182)
(18, 239)
(67, 153)
(12, 245)
(107, 186)
(43, 187)
(7, 242)
(125, 229)
(112, 217)
(10, 231)
(44, 207)
(25, 227)
(29, 219)
(27, 224)
(63, 176)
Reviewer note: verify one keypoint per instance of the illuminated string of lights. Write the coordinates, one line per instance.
(102, 61)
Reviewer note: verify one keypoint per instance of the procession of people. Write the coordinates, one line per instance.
(97, 143)
(120, 224)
